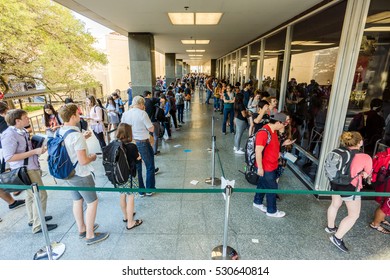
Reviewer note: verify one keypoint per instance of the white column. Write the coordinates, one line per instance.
(351, 38)
(248, 61)
(261, 63)
(286, 67)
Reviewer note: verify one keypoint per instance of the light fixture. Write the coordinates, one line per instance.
(310, 43)
(195, 18)
(195, 42)
(383, 17)
(378, 29)
(195, 55)
(198, 51)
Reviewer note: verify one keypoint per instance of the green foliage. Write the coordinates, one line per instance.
(41, 40)
(29, 108)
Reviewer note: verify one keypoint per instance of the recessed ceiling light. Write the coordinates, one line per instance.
(195, 42)
(182, 18)
(207, 18)
(198, 51)
(195, 55)
(195, 18)
(378, 29)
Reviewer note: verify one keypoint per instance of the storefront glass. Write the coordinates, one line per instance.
(254, 63)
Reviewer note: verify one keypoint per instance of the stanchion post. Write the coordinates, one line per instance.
(212, 180)
(224, 252)
(38, 204)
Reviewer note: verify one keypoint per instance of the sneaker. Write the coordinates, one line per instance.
(141, 194)
(239, 152)
(331, 230)
(1, 220)
(149, 193)
(261, 207)
(156, 170)
(234, 149)
(47, 218)
(99, 236)
(156, 153)
(339, 243)
(84, 234)
(17, 204)
(277, 214)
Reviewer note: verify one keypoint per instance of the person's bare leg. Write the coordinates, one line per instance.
(353, 214)
(90, 217)
(333, 209)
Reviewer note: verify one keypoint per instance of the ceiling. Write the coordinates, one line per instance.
(242, 21)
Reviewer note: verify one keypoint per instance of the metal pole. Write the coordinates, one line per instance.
(35, 190)
(223, 251)
(213, 162)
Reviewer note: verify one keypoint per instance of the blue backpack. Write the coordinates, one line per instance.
(60, 165)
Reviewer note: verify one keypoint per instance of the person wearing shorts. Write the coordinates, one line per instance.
(361, 167)
(379, 223)
(77, 149)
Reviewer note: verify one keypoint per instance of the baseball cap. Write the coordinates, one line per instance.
(280, 117)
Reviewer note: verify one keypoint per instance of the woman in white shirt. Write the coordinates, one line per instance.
(96, 119)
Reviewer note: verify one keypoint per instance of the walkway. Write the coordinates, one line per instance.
(189, 226)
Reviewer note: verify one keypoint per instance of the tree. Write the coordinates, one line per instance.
(42, 41)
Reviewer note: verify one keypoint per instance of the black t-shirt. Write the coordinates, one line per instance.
(132, 155)
(150, 108)
(3, 126)
(263, 121)
(238, 110)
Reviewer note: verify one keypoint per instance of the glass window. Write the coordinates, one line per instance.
(254, 63)
(314, 49)
(369, 104)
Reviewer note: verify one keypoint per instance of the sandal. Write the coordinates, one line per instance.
(137, 223)
(125, 220)
(385, 223)
(380, 229)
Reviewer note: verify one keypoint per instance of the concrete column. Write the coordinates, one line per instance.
(261, 63)
(350, 41)
(142, 62)
(184, 68)
(170, 66)
(213, 68)
(188, 68)
(179, 68)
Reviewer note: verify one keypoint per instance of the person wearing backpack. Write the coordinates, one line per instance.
(360, 167)
(267, 161)
(180, 105)
(18, 152)
(124, 134)
(76, 147)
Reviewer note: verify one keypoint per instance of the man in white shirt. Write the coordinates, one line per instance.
(77, 149)
(141, 126)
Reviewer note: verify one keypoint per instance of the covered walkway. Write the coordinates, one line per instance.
(188, 226)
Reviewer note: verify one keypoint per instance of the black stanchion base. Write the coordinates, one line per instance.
(57, 249)
(217, 181)
(231, 254)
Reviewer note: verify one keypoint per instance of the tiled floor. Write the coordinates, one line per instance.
(188, 226)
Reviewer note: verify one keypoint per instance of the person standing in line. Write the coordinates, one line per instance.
(141, 126)
(150, 107)
(267, 161)
(180, 105)
(77, 149)
(228, 110)
(18, 151)
(240, 118)
(124, 134)
(50, 120)
(361, 167)
(96, 117)
(129, 95)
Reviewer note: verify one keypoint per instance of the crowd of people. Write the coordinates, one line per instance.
(151, 118)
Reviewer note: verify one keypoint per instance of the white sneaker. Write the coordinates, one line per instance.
(277, 214)
(234, 149)
(239, 152)
(261, 207)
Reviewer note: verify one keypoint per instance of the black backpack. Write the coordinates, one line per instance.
(250, 157)
(338, 166)
(159, 115)
(116, 165)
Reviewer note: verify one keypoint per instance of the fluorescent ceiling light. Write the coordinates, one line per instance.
(195, 55)
(378, 29)
(195, 18)
(195, 42)
(198, 51)
(310, 43)
(383, 17)
(207, 18)
(182, 18)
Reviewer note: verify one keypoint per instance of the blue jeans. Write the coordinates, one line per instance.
(208, 96)
(180, 112)
(146, 152)
(216, 103)
(268, 181)
(226, 112)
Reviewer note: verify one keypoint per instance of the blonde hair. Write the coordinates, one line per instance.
(124, 133)
(350, 138)
(67, 111)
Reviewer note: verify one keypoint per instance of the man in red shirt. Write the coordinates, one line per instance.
(267, 156)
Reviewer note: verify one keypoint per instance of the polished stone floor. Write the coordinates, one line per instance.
(189, 225)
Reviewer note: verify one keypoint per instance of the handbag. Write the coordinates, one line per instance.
(16, 176)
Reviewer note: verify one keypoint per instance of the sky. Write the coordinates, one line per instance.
(97, 30)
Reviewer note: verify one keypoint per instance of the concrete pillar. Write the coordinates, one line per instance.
(213, 68)
(188, 68)
(170, 66)
(179, 68)
(142, 62)
(184, 68)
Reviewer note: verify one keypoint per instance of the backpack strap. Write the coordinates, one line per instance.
(64, 136)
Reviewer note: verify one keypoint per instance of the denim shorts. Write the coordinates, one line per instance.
(77, 181)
